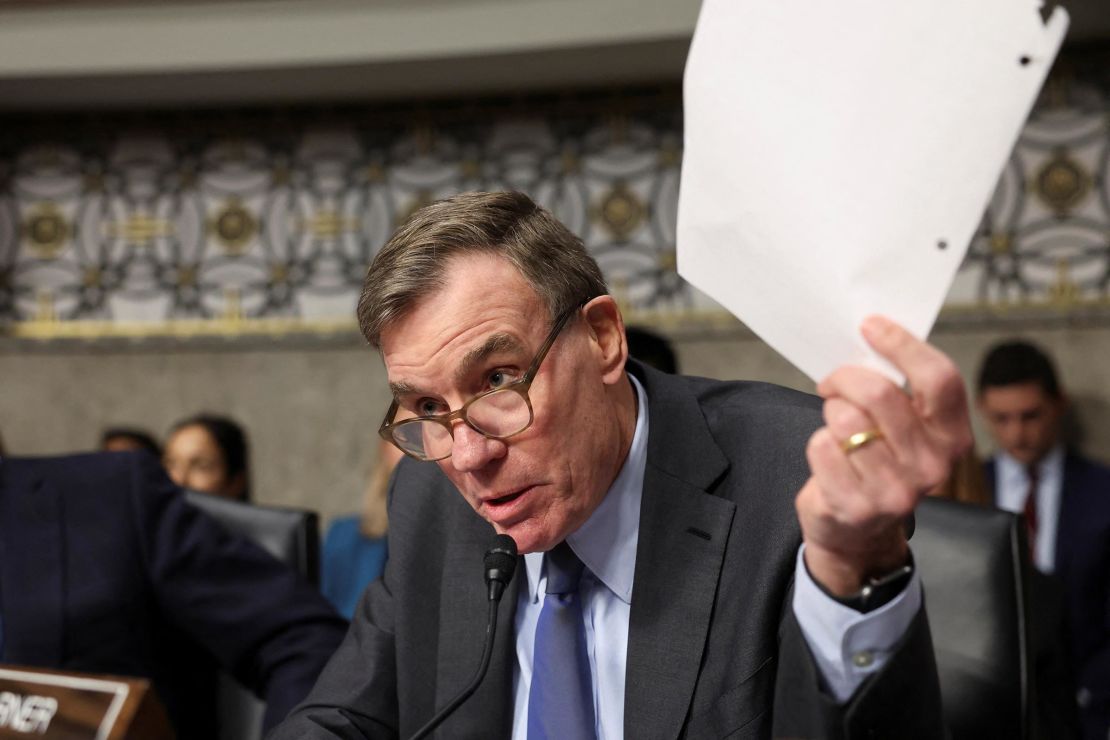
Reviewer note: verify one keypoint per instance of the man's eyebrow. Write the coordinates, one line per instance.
(499, 342)
(401, 388)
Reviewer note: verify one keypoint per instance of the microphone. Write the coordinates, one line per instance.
(499, 564)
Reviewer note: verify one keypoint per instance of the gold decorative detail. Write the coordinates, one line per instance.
(233, 226)
(44, 307)
(330, 225)
(93, 182)
(281, 175)
(279, 273)
(1062, 183)
(178, 329)
(233, 309)
(375, 172)
(668, 260)
(621, 211)
(419, 200)
(1001, 244)
(424, 138)
(91, 277)
(1063, 293)
(618, 125)
(188, 177)
(470, 169)
(569, 162)
(139, 228)
(186, 276)
(670, 156)
(46, 230)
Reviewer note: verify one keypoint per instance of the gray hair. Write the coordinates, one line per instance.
(508, 224)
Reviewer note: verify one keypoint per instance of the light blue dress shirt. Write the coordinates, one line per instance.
(1011, 487)
(848, 646)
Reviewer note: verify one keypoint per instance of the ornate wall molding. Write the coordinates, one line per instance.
(233, 224)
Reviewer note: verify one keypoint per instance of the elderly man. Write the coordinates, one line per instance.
(664, 592)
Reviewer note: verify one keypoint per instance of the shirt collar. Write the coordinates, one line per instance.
(606, 543)
(1015, 474)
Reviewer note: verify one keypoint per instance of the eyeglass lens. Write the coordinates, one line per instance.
(498, 414)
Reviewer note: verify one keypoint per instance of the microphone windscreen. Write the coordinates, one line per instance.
(500, 559)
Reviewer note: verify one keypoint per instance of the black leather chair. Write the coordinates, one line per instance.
(975, 570)
(290, 535)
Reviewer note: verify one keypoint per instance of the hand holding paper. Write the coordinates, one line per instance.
(838, 156)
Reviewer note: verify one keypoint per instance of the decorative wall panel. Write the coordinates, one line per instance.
(256, 224)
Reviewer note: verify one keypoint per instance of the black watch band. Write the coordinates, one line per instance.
(876, 592)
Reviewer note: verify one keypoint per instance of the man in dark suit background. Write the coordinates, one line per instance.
(106, 569)
(662, 513)
(1066, 500)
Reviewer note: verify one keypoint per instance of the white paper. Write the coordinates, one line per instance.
(832, 146)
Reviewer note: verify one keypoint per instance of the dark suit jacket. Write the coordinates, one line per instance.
(713, 649)
(106, 569)
(1083, 573)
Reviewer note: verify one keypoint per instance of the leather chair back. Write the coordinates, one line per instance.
(290, 535)
(974, 566)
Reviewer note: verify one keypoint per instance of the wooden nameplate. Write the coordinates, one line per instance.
(48, 704)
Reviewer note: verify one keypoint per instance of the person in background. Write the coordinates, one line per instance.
(651, 349)
(1065, 498)
(122, 439)
(107, 568)
(209, 453)
(355, 546)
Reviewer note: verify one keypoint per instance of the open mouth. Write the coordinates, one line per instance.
(502, 500)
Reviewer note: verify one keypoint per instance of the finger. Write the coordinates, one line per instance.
(867, 400)
(934, 381)
(872, 493)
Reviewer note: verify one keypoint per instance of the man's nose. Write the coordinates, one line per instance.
(472, 451)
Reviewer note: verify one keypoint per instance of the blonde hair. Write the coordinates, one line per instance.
(374, 517)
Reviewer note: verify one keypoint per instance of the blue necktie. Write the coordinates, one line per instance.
(561, 698)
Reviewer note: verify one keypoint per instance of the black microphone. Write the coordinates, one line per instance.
(499, 564)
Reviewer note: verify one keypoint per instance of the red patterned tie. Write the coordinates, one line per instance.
(1031, 511)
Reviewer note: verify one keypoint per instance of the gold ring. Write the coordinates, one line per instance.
(860, 440)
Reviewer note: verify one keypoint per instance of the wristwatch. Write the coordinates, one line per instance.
(878, 591)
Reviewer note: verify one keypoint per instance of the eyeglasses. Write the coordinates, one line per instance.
(498, 413)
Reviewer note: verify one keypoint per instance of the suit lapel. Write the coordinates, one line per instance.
(31, 527)
(682, 540)
(462, 630)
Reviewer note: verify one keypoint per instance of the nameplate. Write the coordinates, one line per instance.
(50, 704)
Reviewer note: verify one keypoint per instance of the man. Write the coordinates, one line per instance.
(1066, 501)
(105, 568)
(656, 510)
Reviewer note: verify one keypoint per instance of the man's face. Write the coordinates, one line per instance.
(1024, 420)
(482, 330)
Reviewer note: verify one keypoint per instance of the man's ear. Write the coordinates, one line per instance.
(603, 318)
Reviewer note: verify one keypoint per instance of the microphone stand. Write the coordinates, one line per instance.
(487, 651)
(499, 564)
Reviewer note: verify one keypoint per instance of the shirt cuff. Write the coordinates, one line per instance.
(849, 646)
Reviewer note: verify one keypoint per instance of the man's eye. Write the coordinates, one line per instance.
(499, 378)
(427, 407)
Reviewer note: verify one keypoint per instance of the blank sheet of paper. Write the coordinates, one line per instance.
(839, 155)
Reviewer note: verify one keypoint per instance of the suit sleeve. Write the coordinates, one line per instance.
(900, 700)
(267, 626)
(357, 695)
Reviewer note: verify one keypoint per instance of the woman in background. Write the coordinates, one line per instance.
(208, 453)
(355, 546)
